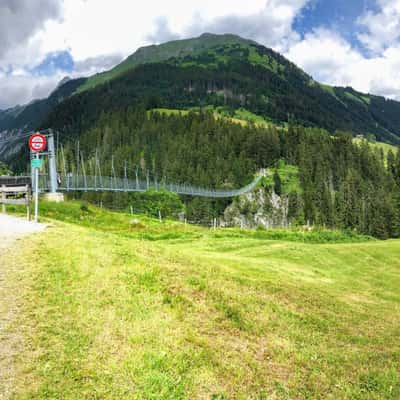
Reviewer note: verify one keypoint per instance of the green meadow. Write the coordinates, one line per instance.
(125, 307)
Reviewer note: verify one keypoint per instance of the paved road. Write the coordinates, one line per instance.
(11, 343)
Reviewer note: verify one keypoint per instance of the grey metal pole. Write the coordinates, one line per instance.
(32, 156)
(36, 191)
(52, 164)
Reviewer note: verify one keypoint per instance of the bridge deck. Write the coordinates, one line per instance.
(72, 183)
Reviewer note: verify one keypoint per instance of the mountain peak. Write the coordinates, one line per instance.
(227, 36)
(173, 49)
(63, 81)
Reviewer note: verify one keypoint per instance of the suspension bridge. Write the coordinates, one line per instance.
(79, 181)
(71, 183)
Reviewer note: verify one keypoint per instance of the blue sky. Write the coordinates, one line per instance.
(342, 42)
(337, 15)
(54, 62)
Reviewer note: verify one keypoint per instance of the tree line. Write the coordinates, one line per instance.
(344, 185)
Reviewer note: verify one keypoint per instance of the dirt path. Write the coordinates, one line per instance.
(11, 344)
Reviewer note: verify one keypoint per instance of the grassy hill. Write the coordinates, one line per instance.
(349, 109)
(123, 307)
(234, 73)
(240, 116)
(379, 145)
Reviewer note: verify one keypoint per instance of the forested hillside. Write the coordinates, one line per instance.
(304, 124)
(343, 184)
(211, 70)
(234, 75)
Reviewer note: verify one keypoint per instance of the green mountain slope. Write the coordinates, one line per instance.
(166, 51)
(339, 184)
(213, 70)
(225, 70)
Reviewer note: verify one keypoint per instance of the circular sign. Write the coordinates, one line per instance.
(37, 142)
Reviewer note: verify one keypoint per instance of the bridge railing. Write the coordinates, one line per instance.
(72, 182)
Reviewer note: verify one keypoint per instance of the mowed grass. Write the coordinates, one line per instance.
(115, 314)
(242, 116)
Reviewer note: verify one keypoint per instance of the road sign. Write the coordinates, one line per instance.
(36, 163)
(37, 142)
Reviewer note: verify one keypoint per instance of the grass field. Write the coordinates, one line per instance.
(122, 308)
(242, 116)
(379, 145)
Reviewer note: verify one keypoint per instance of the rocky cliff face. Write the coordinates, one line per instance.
(261, 208)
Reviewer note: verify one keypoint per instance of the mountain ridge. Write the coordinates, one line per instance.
(218, 70)
(162, 52)
(342, 183)
(247, 75)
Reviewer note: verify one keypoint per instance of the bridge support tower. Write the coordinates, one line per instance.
(53, 194)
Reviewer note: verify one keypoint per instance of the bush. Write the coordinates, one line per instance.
(152, 202)
(84, 207)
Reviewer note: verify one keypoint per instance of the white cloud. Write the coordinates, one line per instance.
(99, 33)
(95, 27)
(97, 64)
(20, 21)
(162, 32)
(269, 22)
(271, 25)
(331, 59)
(382, 28)
(22, 88)
(326, 56)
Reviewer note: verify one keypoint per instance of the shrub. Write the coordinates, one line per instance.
(84, 207)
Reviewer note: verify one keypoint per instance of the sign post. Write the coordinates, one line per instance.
(37, 143)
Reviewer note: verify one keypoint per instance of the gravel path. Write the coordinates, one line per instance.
(11, 343)
(15, 227)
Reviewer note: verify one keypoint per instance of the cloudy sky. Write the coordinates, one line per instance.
(340, 42)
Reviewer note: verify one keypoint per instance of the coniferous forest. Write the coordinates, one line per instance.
(340, 183)
(343, 184)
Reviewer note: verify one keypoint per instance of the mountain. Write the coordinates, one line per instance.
(225, 70)
(166, 113)
(166, 51)
(16, 120)
(211, 70)
(33, 114)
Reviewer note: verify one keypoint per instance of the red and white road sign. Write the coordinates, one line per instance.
(37, 142)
